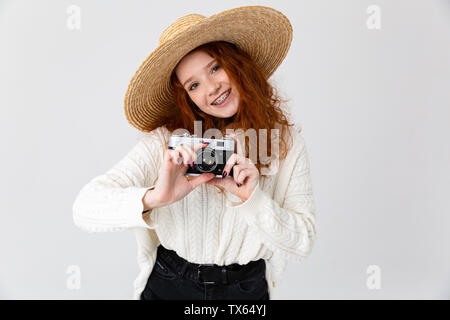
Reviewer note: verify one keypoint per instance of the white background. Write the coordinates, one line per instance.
(373, 104)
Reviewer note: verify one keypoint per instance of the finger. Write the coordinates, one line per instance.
(215, 181)
(232, 161)
(185, 154)
(176, 157)
(204, 177)
(243, 174)
(236, 171)
(191, 156)
(226, 183)
(198, 147)
(169, 155)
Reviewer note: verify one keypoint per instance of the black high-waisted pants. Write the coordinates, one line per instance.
(174, 278)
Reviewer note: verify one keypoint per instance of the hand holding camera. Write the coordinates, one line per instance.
(243, 180)
(240, 174)
(172, 184)
(210, 160)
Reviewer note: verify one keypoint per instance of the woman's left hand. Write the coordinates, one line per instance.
(245, 176)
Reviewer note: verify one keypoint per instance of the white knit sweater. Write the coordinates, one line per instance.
(276, 223)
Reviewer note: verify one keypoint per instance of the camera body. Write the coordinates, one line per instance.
(212, 158)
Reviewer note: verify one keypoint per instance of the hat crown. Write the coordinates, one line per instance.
(179, 26)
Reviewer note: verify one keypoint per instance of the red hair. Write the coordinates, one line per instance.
(259, 106)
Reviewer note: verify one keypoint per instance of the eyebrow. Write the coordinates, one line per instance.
(207, 66)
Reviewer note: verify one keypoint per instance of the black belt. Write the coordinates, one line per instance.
(211, 273)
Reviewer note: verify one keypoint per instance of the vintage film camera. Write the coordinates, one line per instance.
(212, 158)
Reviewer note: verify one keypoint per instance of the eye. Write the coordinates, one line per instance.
(214, 68)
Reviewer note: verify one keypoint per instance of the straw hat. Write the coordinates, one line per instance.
(262, 32)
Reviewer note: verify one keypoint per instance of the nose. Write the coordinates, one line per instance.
(213, 88)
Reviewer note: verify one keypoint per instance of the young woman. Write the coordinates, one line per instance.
(209, 237)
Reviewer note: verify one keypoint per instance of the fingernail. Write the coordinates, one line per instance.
(224, 174)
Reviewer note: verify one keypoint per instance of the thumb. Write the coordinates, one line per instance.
(222, 182)
(204, 177)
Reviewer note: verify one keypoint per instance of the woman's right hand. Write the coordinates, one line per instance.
(172, 184)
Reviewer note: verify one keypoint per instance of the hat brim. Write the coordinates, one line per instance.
(263, 32)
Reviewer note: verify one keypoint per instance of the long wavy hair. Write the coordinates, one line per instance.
(260, 106)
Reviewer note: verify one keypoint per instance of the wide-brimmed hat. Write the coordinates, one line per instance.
(264, 33)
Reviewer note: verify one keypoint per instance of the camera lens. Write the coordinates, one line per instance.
(208, 160)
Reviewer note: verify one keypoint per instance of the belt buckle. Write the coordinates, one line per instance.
(199, 273)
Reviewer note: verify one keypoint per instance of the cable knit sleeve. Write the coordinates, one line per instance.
(287, 228)
(113, 201)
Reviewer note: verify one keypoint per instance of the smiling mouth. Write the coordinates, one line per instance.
(221, 99)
